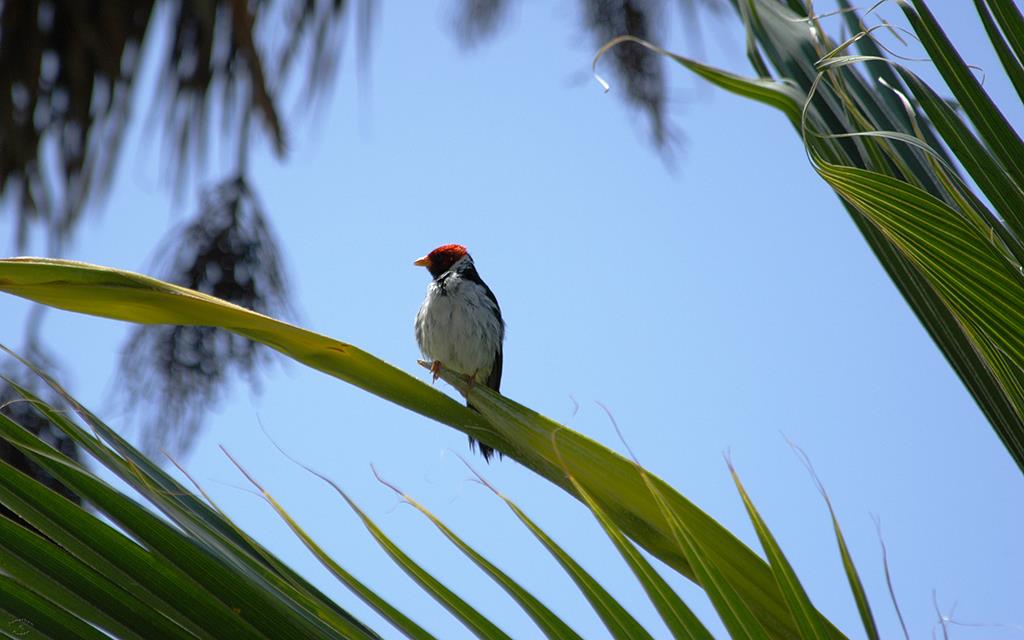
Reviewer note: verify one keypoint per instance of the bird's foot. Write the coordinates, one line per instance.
(435, 369)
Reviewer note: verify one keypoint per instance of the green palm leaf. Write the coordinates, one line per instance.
(615, 617)
(520, 433)
(957, 263)
(678, 617)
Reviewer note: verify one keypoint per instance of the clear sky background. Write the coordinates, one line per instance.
(716, 305)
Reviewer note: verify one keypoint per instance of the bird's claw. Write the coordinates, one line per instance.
(435, 370)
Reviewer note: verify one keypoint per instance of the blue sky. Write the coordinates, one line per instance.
(720, 304)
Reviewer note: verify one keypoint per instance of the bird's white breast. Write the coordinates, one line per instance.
(459, 326)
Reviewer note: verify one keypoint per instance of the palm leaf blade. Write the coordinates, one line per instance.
(513, 429)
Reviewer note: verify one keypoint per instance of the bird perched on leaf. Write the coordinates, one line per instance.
(459, 324)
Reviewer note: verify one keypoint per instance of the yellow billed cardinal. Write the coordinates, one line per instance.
(459, 324)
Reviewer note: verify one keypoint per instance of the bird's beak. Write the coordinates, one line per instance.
(423, 262)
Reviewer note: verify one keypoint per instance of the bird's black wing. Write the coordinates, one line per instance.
(494, 380)
(470, 273)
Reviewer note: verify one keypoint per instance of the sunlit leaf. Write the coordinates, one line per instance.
(511, 428)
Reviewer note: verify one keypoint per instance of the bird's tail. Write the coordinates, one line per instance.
(485, 451)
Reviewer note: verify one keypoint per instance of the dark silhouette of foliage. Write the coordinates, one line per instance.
(227, 251)
(638, 70)
(477, 20)
(67, 70)
(24, 413)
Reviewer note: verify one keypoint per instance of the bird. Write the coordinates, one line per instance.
(459, 323)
